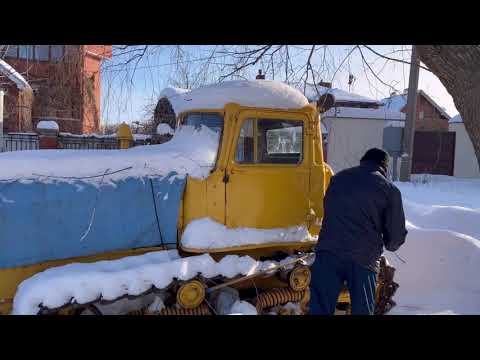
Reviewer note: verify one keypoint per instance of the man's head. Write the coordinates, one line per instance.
(377, 156)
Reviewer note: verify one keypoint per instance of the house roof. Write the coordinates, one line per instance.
(362, 113)
(398, 102)
(339, 95)
(456, 119)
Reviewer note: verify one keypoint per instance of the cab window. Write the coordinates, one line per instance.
(270, 141)
(213, 121)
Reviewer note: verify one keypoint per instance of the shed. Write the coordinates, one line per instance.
(352, 131)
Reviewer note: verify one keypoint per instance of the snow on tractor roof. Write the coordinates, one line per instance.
(250, 93)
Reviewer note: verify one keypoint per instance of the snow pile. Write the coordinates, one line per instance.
(243, 308)
(105, 136)
(442, 250)
(207, 234)
(133, 275)
(250, 93)
(47, 125)
(191, 151)
(164, 129)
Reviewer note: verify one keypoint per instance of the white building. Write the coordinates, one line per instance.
(466, 164)
(353, 124)
(352, 131)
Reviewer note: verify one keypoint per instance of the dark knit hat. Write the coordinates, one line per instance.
(378, 156)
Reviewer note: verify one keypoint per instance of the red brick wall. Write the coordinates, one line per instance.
(432, 119)
(93, 57)
(83, 115)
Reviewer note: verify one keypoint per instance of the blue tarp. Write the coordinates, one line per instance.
(48, 221)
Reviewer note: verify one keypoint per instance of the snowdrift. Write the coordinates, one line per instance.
(190, 151)
(133, 275)
(442, 250)
(207, 234)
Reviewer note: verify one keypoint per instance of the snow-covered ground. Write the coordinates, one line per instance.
(442, 250)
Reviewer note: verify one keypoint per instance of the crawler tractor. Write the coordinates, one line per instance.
(269, 173)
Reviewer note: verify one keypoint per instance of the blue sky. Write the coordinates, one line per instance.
(128, 103)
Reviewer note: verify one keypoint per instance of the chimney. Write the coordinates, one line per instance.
(260, 76)
(325, 84)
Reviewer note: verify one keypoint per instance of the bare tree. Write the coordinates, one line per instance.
(303, 66)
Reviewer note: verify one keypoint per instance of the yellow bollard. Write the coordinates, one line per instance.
(124, 136)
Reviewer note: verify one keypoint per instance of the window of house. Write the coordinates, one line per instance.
(41, 52)
(275, 142)
(25, 52)
(56, 52)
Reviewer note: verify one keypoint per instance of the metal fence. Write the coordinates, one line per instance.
(18, 141)
(30, 141)
(87, 143)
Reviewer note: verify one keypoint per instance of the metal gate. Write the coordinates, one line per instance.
(433, 153)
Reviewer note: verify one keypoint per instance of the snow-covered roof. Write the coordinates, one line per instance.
(364, 113)
(13, 75)
(398, 102)
(456, 119)
(338, 94)
(250, 93)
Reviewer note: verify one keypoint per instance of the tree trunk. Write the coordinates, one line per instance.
(458, 68)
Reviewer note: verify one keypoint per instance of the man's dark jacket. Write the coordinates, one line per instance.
(363, 213)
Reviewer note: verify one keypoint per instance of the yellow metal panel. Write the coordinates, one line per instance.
(194, 200)
(317, 175)
(216, 196)
(267, 195)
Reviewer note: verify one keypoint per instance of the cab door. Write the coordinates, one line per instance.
(267, 175)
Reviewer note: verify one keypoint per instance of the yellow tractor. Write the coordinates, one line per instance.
(268, 176)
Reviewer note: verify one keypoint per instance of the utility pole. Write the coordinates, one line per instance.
(409, 130)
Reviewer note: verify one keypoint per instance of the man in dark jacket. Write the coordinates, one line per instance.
(363, 214)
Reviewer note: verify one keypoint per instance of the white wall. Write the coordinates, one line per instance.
(349, 139)
(466, 165)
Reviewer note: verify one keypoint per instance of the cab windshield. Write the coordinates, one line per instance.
(213, 121)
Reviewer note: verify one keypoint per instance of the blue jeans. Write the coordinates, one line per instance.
(329, 273)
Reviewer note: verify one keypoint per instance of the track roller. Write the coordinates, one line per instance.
(191, 294)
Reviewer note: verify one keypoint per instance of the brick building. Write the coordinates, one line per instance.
(66, 87)
(430, 115)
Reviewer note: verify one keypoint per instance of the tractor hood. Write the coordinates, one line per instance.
(58, 204)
